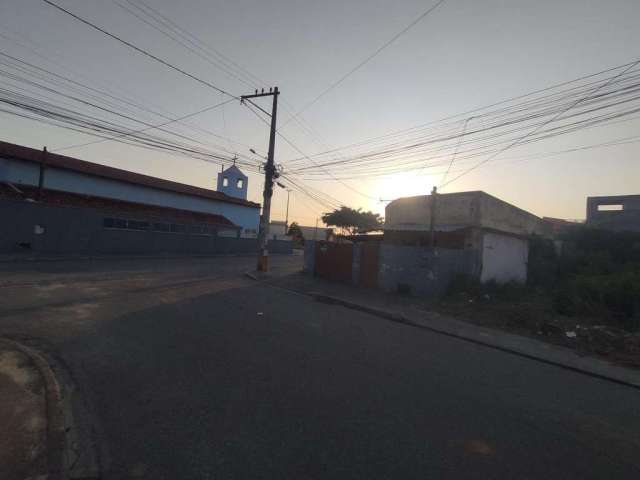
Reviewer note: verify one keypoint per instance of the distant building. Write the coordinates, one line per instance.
(319, 233)
(619, 213)
(57, 203)
(278, 230)
(495, 231)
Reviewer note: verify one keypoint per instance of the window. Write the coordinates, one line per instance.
(137, 225)
(124, 224)
(227, 232)
(161, 227)
(177, 228)
(610, 208)
(198, 229)
(225, 182)
(240, 183)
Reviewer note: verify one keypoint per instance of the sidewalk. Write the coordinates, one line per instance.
(404, 309)
(28, 446)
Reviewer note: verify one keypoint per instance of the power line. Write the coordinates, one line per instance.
(455, 152)
(126, 98)
(228, 62)
(188, 37)
(319, 197)
(140, 50)
(184, 117)
(71, 84)
(579, 101)
(507, 126)
(473, 111)
(45, 112)
(365, 61)
(184, 44)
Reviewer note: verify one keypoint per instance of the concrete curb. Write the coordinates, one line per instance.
(528, 348)
(54, 412)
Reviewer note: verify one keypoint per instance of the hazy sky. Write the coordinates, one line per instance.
(466, 54)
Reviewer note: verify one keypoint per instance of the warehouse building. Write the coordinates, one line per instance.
(57, 204)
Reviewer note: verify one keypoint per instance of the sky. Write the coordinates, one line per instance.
(465, 54)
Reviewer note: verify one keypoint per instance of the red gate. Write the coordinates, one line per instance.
(334, 261)
(369, 265)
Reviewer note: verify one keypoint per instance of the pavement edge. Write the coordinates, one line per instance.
(399, 318)
(54, 410)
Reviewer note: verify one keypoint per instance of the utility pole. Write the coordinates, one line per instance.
(43, 166)
(434, 193)
(269, 171)
(286, 218)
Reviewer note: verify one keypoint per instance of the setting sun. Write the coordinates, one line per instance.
(405, 184)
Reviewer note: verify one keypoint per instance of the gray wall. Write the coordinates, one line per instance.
(75, 230)
(626, 219)
(421, 270)
(310, 256)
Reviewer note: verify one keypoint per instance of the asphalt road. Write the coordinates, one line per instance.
(194, 371)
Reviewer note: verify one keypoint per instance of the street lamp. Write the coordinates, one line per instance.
(286, 221)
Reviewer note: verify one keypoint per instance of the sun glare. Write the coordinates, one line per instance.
(405, 184)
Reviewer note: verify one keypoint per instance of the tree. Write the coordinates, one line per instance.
(296, 233)
(353, 221)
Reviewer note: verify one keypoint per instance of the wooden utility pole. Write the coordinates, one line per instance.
(269, 172)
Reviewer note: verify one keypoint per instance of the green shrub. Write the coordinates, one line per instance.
(542, 263)
(615, 295)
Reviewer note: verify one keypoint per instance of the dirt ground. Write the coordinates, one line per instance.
(531, 315)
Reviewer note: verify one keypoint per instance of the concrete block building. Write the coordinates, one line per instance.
(619, 212)
(491, 234)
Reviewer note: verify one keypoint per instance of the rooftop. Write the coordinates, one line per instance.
(116, 207)
(460, 210)
(10, 150)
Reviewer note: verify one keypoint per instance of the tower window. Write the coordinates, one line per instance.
(240, 183)
(225, 182)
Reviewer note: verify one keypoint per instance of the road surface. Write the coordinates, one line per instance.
(194, 371)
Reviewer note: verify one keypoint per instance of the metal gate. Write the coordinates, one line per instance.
(334, 261)
(369, 265)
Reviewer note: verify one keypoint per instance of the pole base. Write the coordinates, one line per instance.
(263, 263)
